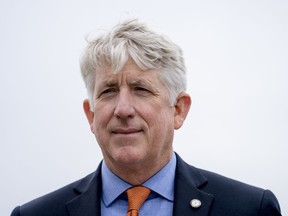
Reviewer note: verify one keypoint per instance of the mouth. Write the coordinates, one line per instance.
(126, 131)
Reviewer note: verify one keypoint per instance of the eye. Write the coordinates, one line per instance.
(142, 91)
(107, 92)
(138, 88)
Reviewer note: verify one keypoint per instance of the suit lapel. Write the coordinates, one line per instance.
(188, 181)
(88, 202)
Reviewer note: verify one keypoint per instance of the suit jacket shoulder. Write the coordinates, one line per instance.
(73, 199)
(219, 195)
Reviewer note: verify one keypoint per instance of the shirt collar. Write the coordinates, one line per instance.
(161, 183)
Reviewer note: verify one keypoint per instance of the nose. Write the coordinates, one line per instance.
(124, 105)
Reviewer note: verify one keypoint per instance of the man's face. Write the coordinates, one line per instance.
(132, 119)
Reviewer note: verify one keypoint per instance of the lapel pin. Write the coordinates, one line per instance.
(195, 203)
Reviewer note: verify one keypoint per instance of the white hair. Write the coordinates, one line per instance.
(148, 49)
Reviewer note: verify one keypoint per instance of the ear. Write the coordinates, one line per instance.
(89, 113)
(182, 108)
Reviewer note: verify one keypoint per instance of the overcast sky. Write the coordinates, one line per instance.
(236, 54)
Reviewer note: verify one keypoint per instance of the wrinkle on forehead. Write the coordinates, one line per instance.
(127, 71)
(129, 77)
(129, 63)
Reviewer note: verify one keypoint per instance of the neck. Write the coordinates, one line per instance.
(137, 174)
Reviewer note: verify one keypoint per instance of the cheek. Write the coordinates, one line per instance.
(100, 131)
(101, 118)
(161, 122)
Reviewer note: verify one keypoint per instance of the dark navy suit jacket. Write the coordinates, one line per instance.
(219, 196)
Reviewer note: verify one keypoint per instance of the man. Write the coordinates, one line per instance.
(136, 85)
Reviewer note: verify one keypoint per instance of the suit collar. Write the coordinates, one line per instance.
(188, 183)
(88, 201)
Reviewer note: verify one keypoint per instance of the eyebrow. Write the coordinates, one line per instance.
(107, 83)
(135, 82)
(138, 82)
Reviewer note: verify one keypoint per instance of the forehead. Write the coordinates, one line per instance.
(129, 73)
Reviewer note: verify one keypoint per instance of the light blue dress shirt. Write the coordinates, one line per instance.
(159, 203)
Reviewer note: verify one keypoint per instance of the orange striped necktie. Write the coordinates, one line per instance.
(136, 197)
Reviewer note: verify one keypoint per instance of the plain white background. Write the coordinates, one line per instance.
(236, 54)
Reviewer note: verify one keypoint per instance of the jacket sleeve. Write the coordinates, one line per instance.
(269, 205)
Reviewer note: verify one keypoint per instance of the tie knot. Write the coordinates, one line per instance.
(136, 197)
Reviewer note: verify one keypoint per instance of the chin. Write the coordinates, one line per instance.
(129, 156)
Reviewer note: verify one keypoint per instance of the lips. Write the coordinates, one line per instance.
(126, 131)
